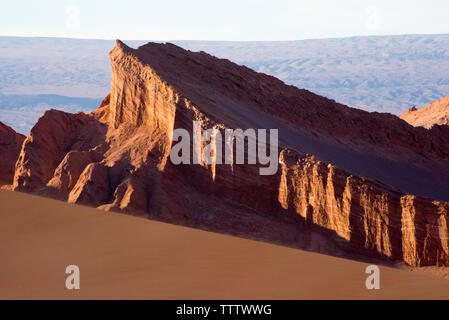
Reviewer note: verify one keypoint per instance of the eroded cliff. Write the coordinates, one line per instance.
(10, 143)
(349, 182)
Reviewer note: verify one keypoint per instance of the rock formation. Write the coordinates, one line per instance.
(436, 113)
(10, 144)
(349, 182)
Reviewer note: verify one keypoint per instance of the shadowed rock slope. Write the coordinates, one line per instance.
(349, 182)
(10, 143)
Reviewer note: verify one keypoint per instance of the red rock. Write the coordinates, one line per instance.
(69, 170)
(54, 135)
(436, 113)
(10, 145)
(349, 182)
(93, 186)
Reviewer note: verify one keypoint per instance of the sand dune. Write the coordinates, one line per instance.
(131, 258)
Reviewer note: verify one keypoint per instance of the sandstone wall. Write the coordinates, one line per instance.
(117, 158)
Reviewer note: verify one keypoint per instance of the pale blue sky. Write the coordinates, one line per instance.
(221, 20)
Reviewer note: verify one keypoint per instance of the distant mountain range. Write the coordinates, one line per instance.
(376, 73)
(22, 111)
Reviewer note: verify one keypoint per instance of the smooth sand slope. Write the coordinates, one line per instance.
(127, 257)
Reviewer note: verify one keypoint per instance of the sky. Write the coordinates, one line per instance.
(238, 20)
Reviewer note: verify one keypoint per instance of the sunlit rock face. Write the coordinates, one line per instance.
(436, 113)
(349, 182)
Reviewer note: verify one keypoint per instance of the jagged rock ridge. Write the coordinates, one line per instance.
(436, 113)
(116, 158)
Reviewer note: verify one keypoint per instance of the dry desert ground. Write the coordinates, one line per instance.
(126, 257)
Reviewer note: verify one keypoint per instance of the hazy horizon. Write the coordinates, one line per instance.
(251, 20)
(216, 40)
